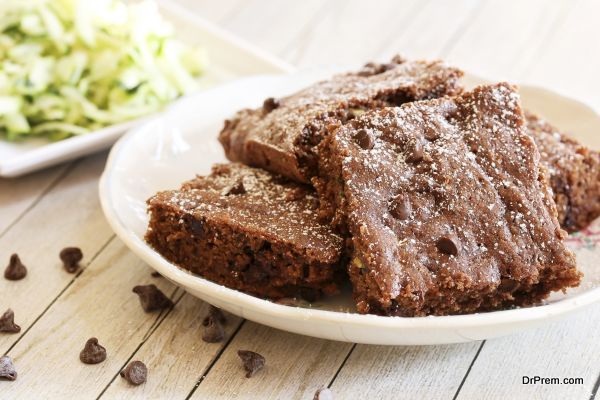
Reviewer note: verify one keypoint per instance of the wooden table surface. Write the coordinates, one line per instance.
(551, 43)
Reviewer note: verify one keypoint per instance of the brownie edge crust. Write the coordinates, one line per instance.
(447, 205)
(248, 230)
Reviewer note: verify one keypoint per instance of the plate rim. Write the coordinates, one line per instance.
(186, 279)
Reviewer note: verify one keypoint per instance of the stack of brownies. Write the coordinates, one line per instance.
(430, 199)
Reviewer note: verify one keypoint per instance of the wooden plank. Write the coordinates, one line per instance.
(175, 354)
(498, 43)
(347, 33)
(276, 25)
(404, 372)
(569, 59)
(433, 30)
(98, 304)
(214, 11)
(68, 215)
(567, 349)
(17, 195)
(296, 366)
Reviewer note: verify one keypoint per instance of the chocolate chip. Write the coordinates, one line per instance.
(7, 369)
(156, 274)
(15, 270)
(400, 207)
(213, 333)
(364, 139)
(135, 373)
(195, 225)
(151, 298)
(507, 286)
(253, 362)
(93, 352)
(270, 104)
(431, 134)
(216, 314)
(446, 245)
(323, 394)
(70, 257)
(415, 151)
(236, 188)
(7, 322)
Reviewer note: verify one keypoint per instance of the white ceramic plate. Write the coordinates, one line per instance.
(230, 58)
(182, 142)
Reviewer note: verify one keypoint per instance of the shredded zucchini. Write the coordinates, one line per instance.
(68, 67)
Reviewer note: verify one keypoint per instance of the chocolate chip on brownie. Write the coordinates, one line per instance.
(71, 256)
(7, 322)
(135, 373)
(93, 352)
(270, 104)
(253, 362)
(152, 298)
(15, 270)
(236, 188)
(481, 224)
(7, 369)
(284, 139)
(323, 394)
(268, 241)
(447, 245)
(364, 139)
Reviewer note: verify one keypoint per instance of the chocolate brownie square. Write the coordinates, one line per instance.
(249, 230)
(282, 135)
(447, 205)
(574, 173)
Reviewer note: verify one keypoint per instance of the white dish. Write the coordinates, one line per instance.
(181, 142)
(230, 58)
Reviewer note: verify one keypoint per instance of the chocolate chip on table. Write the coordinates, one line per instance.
(15, 270)
(71, 256)
(7, 369)
(400, 207)
(323, 394)
(270, 104)
(7, 322)
(93, 352)
(135, 373)
(215, 314)
(214, 332)
(253, 362)
(151, 298)
(446, 245)
(364, 139)
(237, 188)
(156, 274)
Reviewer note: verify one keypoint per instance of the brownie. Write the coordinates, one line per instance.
(282, 135)
(249, 230)
(447, 206)
(574, 173)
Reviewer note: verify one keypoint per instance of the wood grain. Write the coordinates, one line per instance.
(98, 304)
(567, 349)
(175, 354)
(296, 366)
(68, 215)
(417, 372)
(18, 195)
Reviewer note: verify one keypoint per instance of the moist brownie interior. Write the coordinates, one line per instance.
(447, 205)
(282, 135)
(574, 174)
(250, 230)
